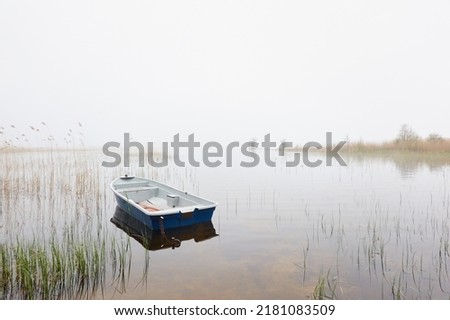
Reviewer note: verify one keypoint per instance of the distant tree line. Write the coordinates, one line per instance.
(407, 134)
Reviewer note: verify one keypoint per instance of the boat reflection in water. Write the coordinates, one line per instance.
(157, 240)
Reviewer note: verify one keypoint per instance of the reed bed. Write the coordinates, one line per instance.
(31, 271)
(398, 252)
(55, 241)
(414, 146)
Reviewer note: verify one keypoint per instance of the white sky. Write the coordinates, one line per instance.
(225, 70)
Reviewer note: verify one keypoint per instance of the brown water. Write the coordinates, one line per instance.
(376, 229)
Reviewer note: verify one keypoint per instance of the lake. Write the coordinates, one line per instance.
(375, 229)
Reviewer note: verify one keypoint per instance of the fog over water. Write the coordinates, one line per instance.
(98, 73)
(232, 70)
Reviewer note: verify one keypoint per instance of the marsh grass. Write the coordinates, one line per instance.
(326, 288)
(74, 266)
(406, 253)
(56, 244)
(67, 271)
(55, 241)
(412, 146)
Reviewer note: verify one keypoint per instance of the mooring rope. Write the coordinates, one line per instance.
(173, 241)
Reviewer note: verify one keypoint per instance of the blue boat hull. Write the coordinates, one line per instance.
(157, 240)
(166, 221)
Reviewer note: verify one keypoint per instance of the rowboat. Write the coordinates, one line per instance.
(159, 206)
(156, 240)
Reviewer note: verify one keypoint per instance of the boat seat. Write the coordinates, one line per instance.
(172, 200)
(135, 189)
(159, 202)
(140, 193)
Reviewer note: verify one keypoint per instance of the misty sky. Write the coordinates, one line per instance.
(224, 70)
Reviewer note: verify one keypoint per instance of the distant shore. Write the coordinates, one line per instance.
(416, 146)
(406, 141)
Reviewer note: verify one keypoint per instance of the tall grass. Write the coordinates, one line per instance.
(31, 271)
(399, 252)
(55, 241)
(325, 288)
(67, 270)
(416, 146)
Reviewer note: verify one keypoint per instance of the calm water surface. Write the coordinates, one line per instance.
(376, 229)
